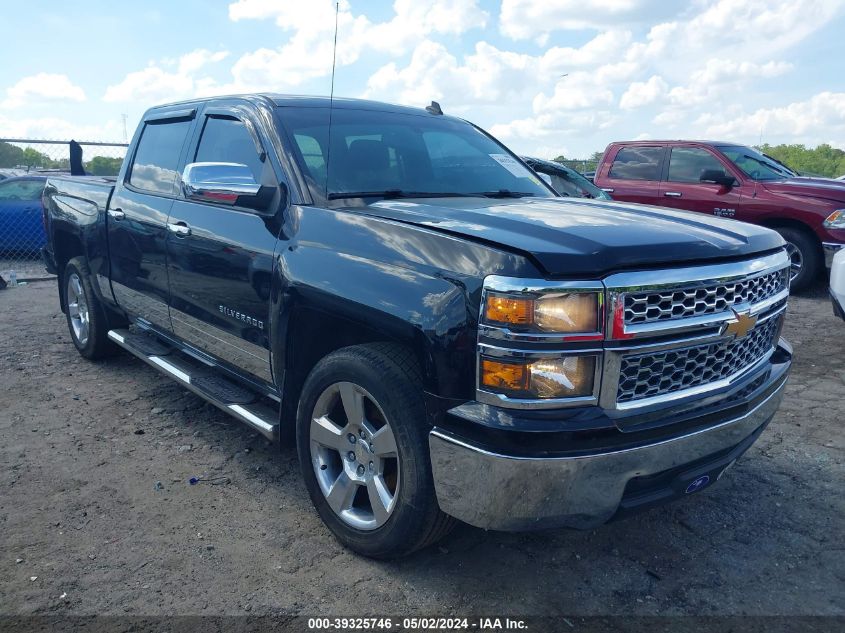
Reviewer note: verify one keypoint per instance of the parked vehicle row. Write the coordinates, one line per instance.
(444, 335)
(21, 227)
(733, 181)
(564, 180)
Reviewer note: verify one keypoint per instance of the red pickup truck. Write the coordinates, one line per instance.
(733, 181)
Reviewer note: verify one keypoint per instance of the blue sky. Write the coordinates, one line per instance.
(547, 77)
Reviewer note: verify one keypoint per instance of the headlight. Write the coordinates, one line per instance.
(836, 220)
(564, 313)
(562, 377)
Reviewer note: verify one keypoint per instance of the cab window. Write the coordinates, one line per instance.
(156, 163)
(687, 163)
(637, 163)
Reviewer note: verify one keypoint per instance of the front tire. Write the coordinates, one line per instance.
(362, 441)
(804, 255)
(86, 318)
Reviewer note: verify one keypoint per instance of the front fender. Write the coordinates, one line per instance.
(345, 278)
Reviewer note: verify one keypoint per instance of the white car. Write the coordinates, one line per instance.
(837, 283)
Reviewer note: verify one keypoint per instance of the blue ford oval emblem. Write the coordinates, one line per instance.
(698, 484)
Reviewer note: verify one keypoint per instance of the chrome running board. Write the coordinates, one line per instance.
(235, 399)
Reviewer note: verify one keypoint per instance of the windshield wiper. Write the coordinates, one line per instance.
(789, 171)
(504, 193)
(392, 194)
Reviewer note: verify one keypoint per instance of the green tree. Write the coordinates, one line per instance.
(34, 158)
(823, 160)
(10, 155)
(103, 166)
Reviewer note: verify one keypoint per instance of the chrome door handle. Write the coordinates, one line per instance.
(607, 189)
(116, 214)
(180, 228)
(672, 194)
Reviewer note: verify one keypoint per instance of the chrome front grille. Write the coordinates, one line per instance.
(681, 303)
(668, 337)
(660, 373)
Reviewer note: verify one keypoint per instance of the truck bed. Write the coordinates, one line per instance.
(81, 192)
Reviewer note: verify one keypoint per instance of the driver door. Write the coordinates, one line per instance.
(682, 188)
(220, 256)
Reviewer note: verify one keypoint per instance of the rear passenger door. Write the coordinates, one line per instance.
(220, 256)
(137, 217)
(634, 174)
(683, 189)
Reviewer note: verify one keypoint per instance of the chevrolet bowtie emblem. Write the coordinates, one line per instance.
(741, 325)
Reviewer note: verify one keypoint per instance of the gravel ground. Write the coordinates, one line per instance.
(97, 515)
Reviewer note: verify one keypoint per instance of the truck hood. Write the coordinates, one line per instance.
(813, 187)
(569, 237)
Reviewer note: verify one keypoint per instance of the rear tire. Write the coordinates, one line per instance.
(86, 317)
(804, 254)
(376, 496)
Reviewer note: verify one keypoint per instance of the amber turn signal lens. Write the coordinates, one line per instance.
(506, 376)
(504, 309)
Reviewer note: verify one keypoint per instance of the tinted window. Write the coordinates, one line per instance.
(568, 182)
(756, 165)
(22, 190)
(228, 141)
(687, 163)
(637, 163)
(374, 151)
(157, 158)
(312, 155)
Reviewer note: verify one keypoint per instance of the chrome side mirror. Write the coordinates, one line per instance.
(221, 183)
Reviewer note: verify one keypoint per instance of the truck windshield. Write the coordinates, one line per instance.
(755, 165)
(379, 154)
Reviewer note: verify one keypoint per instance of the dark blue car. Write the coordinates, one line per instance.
(21, 227)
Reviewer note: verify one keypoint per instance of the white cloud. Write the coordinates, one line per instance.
(491, 75)
(604, 46)
(702, 56)
(308, 52)
(604, 70)
(642, 93)
(527, 19)
(486, 76)
(733, 29)
(42, 87)
(168, 80)
(818, 119)
(55, 128)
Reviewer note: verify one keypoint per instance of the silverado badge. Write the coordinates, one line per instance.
(740, 325)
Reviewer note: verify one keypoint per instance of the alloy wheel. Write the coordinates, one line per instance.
(354, 456)
(77, 307)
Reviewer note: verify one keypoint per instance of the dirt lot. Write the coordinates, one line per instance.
(97, 515)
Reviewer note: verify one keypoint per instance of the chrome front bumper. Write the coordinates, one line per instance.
(830, 249)
(501, 492)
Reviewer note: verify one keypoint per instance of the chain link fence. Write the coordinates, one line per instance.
(24, 166)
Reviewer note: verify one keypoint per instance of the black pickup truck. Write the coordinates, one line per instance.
(444, 336)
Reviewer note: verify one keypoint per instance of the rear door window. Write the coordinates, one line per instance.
(637, 163)
(156, 164)
(687, 163)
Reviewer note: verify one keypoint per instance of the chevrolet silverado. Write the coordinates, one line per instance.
(440, 334)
